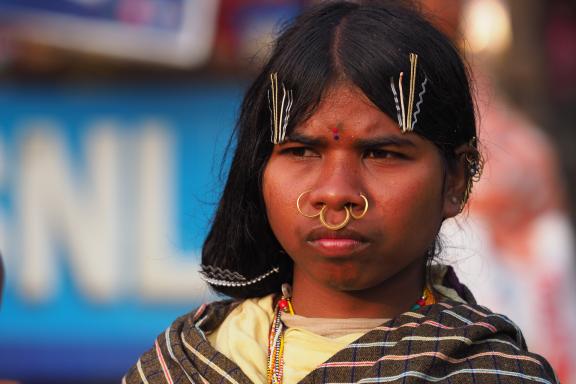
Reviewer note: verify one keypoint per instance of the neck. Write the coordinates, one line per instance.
(388, 299)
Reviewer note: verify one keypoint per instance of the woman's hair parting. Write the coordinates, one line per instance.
(371, 44)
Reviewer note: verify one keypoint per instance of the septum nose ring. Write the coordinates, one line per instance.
(321, 213)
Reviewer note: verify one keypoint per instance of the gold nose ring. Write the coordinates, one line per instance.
(300, 209)
(334, 227)
(322, 212)
(358, 217)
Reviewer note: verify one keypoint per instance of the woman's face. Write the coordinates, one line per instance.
(347, 148)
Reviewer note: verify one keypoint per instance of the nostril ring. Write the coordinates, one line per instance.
(334, 227)
(358, 217)
(300, 209)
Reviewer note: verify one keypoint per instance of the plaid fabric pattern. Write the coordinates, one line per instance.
(447, 342)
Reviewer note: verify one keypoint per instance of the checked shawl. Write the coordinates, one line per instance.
(448, 342)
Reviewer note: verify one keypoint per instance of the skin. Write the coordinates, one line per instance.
(374, 267)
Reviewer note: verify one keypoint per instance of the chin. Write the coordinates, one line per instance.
(350, 287)
(349, 282)
(355, 278)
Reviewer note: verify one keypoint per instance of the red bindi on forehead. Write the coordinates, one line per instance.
(336, 130)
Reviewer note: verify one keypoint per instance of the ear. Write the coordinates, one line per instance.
(456, 183)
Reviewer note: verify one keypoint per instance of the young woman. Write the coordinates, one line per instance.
(354, 144)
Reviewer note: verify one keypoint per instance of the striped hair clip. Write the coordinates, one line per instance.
(280, 102)
(406, 114)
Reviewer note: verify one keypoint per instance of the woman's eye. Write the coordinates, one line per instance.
(382, 154)
(300, 152)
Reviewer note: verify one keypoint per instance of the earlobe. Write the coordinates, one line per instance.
(453, 198)
(459, 179)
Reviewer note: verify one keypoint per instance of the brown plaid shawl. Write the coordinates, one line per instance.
(447, 342)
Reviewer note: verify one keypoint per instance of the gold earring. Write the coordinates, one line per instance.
(358, 217)
(300, 209)
(475, 165)
(334, 227)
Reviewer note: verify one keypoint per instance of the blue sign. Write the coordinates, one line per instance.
(176, 32)
(163, 14)
(105, 198)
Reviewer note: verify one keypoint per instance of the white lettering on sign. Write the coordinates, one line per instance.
(164, 272)
(3, 166)
(3, 219)
(114, 214)
(54, 208)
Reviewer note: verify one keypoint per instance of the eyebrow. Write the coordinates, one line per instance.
(381, 141)
(306, 140)
(384, 141)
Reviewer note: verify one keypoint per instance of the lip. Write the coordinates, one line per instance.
(337, 243)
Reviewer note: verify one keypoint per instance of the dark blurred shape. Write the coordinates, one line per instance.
(172, 32)
(560, 60)
(538, 75)
(560, 38)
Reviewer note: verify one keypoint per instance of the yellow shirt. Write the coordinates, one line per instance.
(243, 338)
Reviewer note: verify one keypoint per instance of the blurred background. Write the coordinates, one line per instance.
(114, 117)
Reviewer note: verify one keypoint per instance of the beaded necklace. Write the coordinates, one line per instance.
(275, 370)
(276, 338)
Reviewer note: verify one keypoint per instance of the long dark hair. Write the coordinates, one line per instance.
(361, 42)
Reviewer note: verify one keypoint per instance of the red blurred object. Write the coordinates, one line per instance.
(561, 48)
(237, 17)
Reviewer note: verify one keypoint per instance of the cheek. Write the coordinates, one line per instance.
(278, 197)
(270, 194)
(413, 206)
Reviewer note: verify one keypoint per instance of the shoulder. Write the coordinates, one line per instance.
(444, 342)
(447, 342)
(182, 351)
(209, 317)
(473, 320)
(469, 338)
(451, 320)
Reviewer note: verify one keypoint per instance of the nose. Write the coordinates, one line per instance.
(338, 187)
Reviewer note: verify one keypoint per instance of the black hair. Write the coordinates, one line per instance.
(364, 43)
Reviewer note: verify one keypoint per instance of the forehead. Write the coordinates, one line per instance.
(348, 109)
